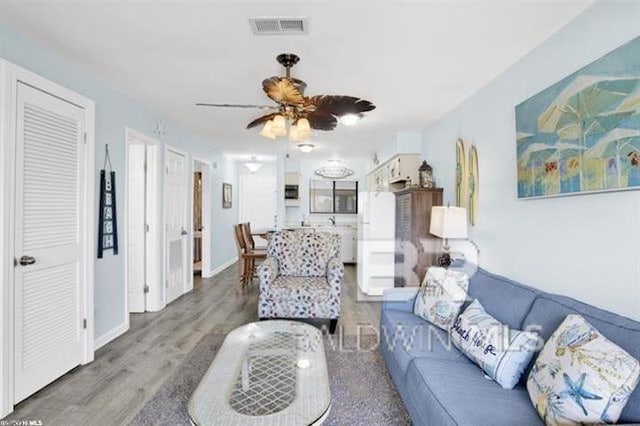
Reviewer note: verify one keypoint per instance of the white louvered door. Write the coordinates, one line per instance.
(176, 219)
(50, 179)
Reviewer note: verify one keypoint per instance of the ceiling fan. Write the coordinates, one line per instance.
(319, 112)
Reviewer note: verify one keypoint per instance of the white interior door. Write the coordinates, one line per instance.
(258, 202)
(176, 224)
(49, 248)
(136, 213)
(207, 220)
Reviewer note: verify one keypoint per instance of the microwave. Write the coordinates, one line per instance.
(291, 192)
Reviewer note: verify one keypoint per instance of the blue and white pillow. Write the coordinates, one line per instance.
(442, 294)
(501, 352)
(581, 377)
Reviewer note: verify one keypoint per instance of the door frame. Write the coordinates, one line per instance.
(10, 75)
(153, 299)
(207, 219)
(188, 270)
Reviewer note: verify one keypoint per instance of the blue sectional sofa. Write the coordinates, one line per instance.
(441, 386)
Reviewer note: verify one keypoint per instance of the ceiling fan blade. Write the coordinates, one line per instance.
(283, 90)
(238, 106)
(322, 120)
(261, 120)
(340, 105)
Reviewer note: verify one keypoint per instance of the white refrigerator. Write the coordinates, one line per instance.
(376, 241)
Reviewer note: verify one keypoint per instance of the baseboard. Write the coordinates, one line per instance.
(220, 268)
(110, 335)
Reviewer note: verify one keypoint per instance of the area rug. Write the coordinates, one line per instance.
(362, 392)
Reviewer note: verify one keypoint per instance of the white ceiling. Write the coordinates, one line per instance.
(415, 60)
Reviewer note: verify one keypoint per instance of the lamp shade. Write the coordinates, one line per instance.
(279, 126)
(303, 124)
(448, 222)
(293, 133)
(266, 130)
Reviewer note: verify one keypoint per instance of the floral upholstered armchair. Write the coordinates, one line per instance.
(301, 277)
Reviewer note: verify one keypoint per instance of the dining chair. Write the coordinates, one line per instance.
(246, 258)
(248, 236)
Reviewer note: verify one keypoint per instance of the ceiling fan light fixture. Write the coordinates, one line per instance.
(303, 125)
(350, 119)
(293, 134)
(305, 114)
(279, 126)
(266, 130)
(306, 147)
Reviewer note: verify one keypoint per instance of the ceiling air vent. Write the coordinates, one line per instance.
(270, 25)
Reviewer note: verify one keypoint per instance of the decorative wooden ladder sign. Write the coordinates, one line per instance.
(108, 224)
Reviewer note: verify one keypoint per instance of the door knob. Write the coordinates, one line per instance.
(27, 260)
(183, 232)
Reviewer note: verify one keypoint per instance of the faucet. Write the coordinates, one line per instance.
(332, 219)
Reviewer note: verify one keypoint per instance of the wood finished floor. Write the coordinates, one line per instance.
(128, 371)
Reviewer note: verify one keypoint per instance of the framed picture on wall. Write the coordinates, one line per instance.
(226, 195)
(583, 133)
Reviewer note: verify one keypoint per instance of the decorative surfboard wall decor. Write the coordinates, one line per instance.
(107, 223)
(461, 173)
(473, 185)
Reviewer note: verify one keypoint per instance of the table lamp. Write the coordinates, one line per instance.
(448, 223)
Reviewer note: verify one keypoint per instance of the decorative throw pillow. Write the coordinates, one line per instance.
(581, 377)
(501, 352)
(442, 294)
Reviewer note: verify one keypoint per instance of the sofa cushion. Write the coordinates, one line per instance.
(581, 377)
(504, 299)
(441, 295)
(406, 336)
(316, 288)
(502, 353)
(455, 393)
(549, 311)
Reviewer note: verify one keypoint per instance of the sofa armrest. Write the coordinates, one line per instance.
(399, 299)
(335, 272)
(267, 272)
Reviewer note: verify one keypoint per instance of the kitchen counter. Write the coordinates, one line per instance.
(324, 227)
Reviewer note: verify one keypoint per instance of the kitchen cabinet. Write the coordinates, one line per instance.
(394, 173)
(413, 219)
(348, 244)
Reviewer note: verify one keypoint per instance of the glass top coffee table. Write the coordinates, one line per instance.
(265, 373)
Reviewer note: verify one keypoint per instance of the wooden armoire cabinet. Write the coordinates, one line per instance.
(413, 218)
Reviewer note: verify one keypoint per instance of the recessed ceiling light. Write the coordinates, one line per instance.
(350, 119)
(306, 147)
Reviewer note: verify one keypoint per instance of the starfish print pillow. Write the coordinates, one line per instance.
(581, 377)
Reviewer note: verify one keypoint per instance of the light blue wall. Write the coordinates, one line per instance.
(585, 246)
(114, 112)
